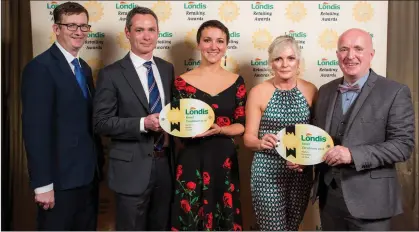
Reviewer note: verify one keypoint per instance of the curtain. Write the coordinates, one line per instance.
(18, 208)
(402, 66)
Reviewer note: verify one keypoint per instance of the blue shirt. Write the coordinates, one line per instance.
(349, 97)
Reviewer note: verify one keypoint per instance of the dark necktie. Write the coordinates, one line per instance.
(81, 79)
(346, 88)
(154, 102)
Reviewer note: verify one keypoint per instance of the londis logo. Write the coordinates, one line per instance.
(328, 6)
(96, 35)
(165, 34)
(193, 111)
(309, 137)
(234, 34)
(192, 62)
(258, 62)
(261, 6)
(125, 6)
(193, 5)
(326, 62)
(52, 5)
(296, 34)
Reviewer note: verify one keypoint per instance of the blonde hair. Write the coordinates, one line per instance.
(280, 43)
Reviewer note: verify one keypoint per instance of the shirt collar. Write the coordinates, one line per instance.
(138, 61)
(66, 54)
(360, 82)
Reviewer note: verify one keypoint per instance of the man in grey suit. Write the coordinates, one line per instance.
(130, 94)
(371, 121)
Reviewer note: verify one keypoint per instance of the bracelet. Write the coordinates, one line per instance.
(221, 129)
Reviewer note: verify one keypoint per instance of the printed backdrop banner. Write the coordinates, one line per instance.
(253, 25)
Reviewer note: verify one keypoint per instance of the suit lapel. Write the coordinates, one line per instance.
(366, 90)
(333, 93)
(89, 78)
(134, 81)
(68, 75)
(164, 79)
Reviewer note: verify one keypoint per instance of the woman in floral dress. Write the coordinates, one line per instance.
(207, 195)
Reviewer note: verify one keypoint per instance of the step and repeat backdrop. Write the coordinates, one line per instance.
(316, 25)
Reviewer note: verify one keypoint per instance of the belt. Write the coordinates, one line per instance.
(158, 154)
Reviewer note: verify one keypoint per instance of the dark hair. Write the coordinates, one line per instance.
(68, 8)
(139, 10)
(215, 24)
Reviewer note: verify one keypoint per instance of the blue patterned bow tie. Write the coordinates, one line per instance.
(346, 88)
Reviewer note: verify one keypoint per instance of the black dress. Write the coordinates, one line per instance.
(207, 195)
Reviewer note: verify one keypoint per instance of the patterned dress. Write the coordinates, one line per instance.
(207, 195)
(280, 195)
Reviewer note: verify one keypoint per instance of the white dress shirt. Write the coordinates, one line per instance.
(69, 59)
(141, 70)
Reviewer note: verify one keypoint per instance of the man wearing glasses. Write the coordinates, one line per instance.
(64, 156)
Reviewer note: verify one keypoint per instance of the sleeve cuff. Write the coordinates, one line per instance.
(142, 127)
(44, 189)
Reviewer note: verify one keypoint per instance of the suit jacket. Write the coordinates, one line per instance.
(379, 133)
(119, 104)
(57, 126)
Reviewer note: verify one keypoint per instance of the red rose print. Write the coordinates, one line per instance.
(206, 178)
(205, 202)
(174, 229)
(184, 204)
(237, 211)
(178, 172)
(239, 112)
(227, 163)
(228, 201)
(223, 121)
(209, 221)
(215, 106)
(180, 83)
(201, 211)
(231, 187)
(191, 185)
(241, 91)
(237, 227)
(190, 89)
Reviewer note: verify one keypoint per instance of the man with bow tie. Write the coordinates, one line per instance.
(371, 121)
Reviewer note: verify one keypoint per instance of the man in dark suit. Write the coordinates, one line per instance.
(130, 95)
(371, 121)
(61, 149)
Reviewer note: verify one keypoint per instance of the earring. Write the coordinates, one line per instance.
(225, 60)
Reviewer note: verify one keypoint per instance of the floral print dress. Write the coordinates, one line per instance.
(207, 192)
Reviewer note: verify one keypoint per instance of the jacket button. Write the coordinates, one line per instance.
(149, 154)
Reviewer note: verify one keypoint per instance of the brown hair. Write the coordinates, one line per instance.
(213, 24)
(139, 10)
(68, 8)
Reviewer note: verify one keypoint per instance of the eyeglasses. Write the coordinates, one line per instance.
(74, 27)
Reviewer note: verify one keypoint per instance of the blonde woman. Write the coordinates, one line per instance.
(280, 195)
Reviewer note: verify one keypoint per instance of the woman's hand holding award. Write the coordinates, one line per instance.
(186, 117)
(303, 144)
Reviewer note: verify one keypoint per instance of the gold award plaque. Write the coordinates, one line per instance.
(186, 117)
(303, 144)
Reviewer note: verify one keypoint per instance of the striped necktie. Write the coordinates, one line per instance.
(154, 102)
